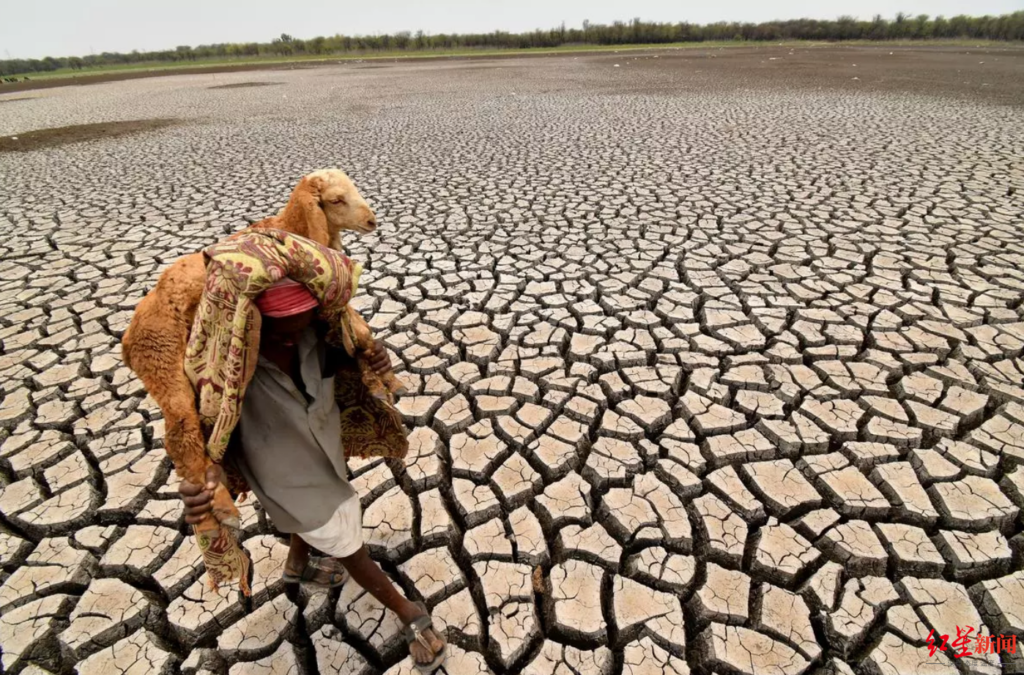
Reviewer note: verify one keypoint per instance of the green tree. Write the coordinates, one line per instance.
(921, 27)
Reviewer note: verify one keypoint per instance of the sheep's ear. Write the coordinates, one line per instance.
(307, 195)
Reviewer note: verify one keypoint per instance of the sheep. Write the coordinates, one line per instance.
(321, 206)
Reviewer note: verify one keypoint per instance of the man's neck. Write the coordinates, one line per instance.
(282, 356)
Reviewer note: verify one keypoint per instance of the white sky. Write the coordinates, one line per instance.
(37, 28)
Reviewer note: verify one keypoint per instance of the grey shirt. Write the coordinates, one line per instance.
(291, 453)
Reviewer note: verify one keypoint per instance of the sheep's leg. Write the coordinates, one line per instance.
(371, 380)
(187, 450)
(224, 510)
(393, 384)
(184, 445)
(154, 348)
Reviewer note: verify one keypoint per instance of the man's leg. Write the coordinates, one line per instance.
(342, 538)
(368, 574)
(329, 572)
(298, 555)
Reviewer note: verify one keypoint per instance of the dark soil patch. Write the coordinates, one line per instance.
(243, 85)
(20, 98)
(52, 138)
(991, 74)
(99, 78)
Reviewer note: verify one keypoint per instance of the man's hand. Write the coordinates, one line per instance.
(379, 359)
(199, 498)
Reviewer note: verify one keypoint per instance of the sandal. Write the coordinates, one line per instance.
(413, 632)
(315, 574)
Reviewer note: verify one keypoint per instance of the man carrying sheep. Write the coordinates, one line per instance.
(267, 343)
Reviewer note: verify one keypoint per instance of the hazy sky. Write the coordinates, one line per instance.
(32, 29)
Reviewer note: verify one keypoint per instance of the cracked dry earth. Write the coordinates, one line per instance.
(709, 377)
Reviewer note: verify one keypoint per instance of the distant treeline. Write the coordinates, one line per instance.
(902, 27)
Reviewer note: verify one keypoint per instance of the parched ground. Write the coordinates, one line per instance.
(716, 359)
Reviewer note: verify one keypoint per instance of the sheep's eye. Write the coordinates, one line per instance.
(339, 200)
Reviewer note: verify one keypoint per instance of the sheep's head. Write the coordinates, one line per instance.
(329, 202)
(341, 202)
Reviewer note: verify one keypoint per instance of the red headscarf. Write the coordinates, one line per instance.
(285, 298)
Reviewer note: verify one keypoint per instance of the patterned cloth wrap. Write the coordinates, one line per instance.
(222, 352)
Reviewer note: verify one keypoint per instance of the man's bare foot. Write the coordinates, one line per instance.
(426, 646)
